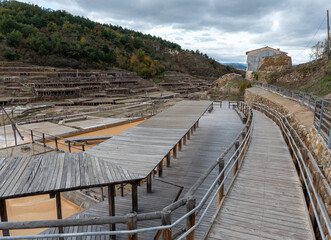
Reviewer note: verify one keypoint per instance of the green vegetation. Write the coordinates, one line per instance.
(33, 34)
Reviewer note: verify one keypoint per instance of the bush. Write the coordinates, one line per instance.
(14, 38)
(244, 85)
(11, 55)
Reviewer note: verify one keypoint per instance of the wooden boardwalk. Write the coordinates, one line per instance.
(266, 200)
(216, 131)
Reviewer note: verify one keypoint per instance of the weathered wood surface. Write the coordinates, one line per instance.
(129, 156)
(266, 200)
(89, 138)
(143, 147)
(215, 132)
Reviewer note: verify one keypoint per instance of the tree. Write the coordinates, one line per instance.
(141, 55)
(317, 51)
(14, 38)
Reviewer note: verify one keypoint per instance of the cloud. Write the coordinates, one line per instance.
(223, 29)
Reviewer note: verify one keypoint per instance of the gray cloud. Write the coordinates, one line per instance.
(288, 24)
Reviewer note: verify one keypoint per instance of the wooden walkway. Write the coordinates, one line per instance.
(215, 132)
(266, 200)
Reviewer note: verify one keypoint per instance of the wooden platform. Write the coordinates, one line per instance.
(216, 131)
(266, 200)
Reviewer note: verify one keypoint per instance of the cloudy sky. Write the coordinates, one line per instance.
(224, 29)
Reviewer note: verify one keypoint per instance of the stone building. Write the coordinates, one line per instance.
(254, 58)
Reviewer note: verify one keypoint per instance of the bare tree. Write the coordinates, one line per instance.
(317, 50)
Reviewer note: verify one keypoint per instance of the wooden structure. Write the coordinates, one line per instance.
(266, 200)
(127, 158)
(89, 138)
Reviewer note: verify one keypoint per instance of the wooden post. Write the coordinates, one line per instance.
(83, 147)
(184, 139)
(174, 151)
(180, 145)
(111, 206)
(166, 220)
(32, 137)
(149, 183)
(190, 221)
(44, 142)
(316, 179)
(122, 189)
(188, 135)
(69, 147)
(191, 130)
(59, 209)
(168, 159)
(4, 217)
(56, 145)
(235, 167)
(134, 196)
(159, 167)
(220, 180)
(132, 224)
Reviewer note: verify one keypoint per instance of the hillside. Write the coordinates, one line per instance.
(239, 66)
(312, 77)
(31, 34)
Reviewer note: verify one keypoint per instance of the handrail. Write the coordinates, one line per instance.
(302, 168)
(319, 106)
(233, 163)
(55, 140)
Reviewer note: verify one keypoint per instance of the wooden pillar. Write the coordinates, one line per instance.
(220, 180)
(184, 140)
(160, 168)
(190, 221)
(4, 217)
(111, 206)
(180, 145)
(235, 167)
(59, 209)
(166, 220)
(134, 196)
(168, 159)
(174, 151)
(132, 224)
(191, 130)
(188, 135)
(149, 183)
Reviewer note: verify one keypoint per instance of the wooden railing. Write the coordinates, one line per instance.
(44, 139)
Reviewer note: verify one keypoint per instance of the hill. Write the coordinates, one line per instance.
(32, 34)
(238, 66)
(312, 77)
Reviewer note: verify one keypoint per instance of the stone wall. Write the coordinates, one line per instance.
(275, 63)
(310, 137)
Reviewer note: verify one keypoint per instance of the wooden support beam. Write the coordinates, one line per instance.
(184, 139)
(190, 221)
(174, 151)
(168, 159)
(189, 135)
(191, 130)
(132, 224)
(166, 220)
(149, 183)
(235, 167)
(4, 217)
(59, 209)
(180, 145)
(160, 168)
(134, 196)
(220, 180)
(111, 206)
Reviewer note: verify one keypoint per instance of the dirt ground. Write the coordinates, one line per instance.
(301, 113)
